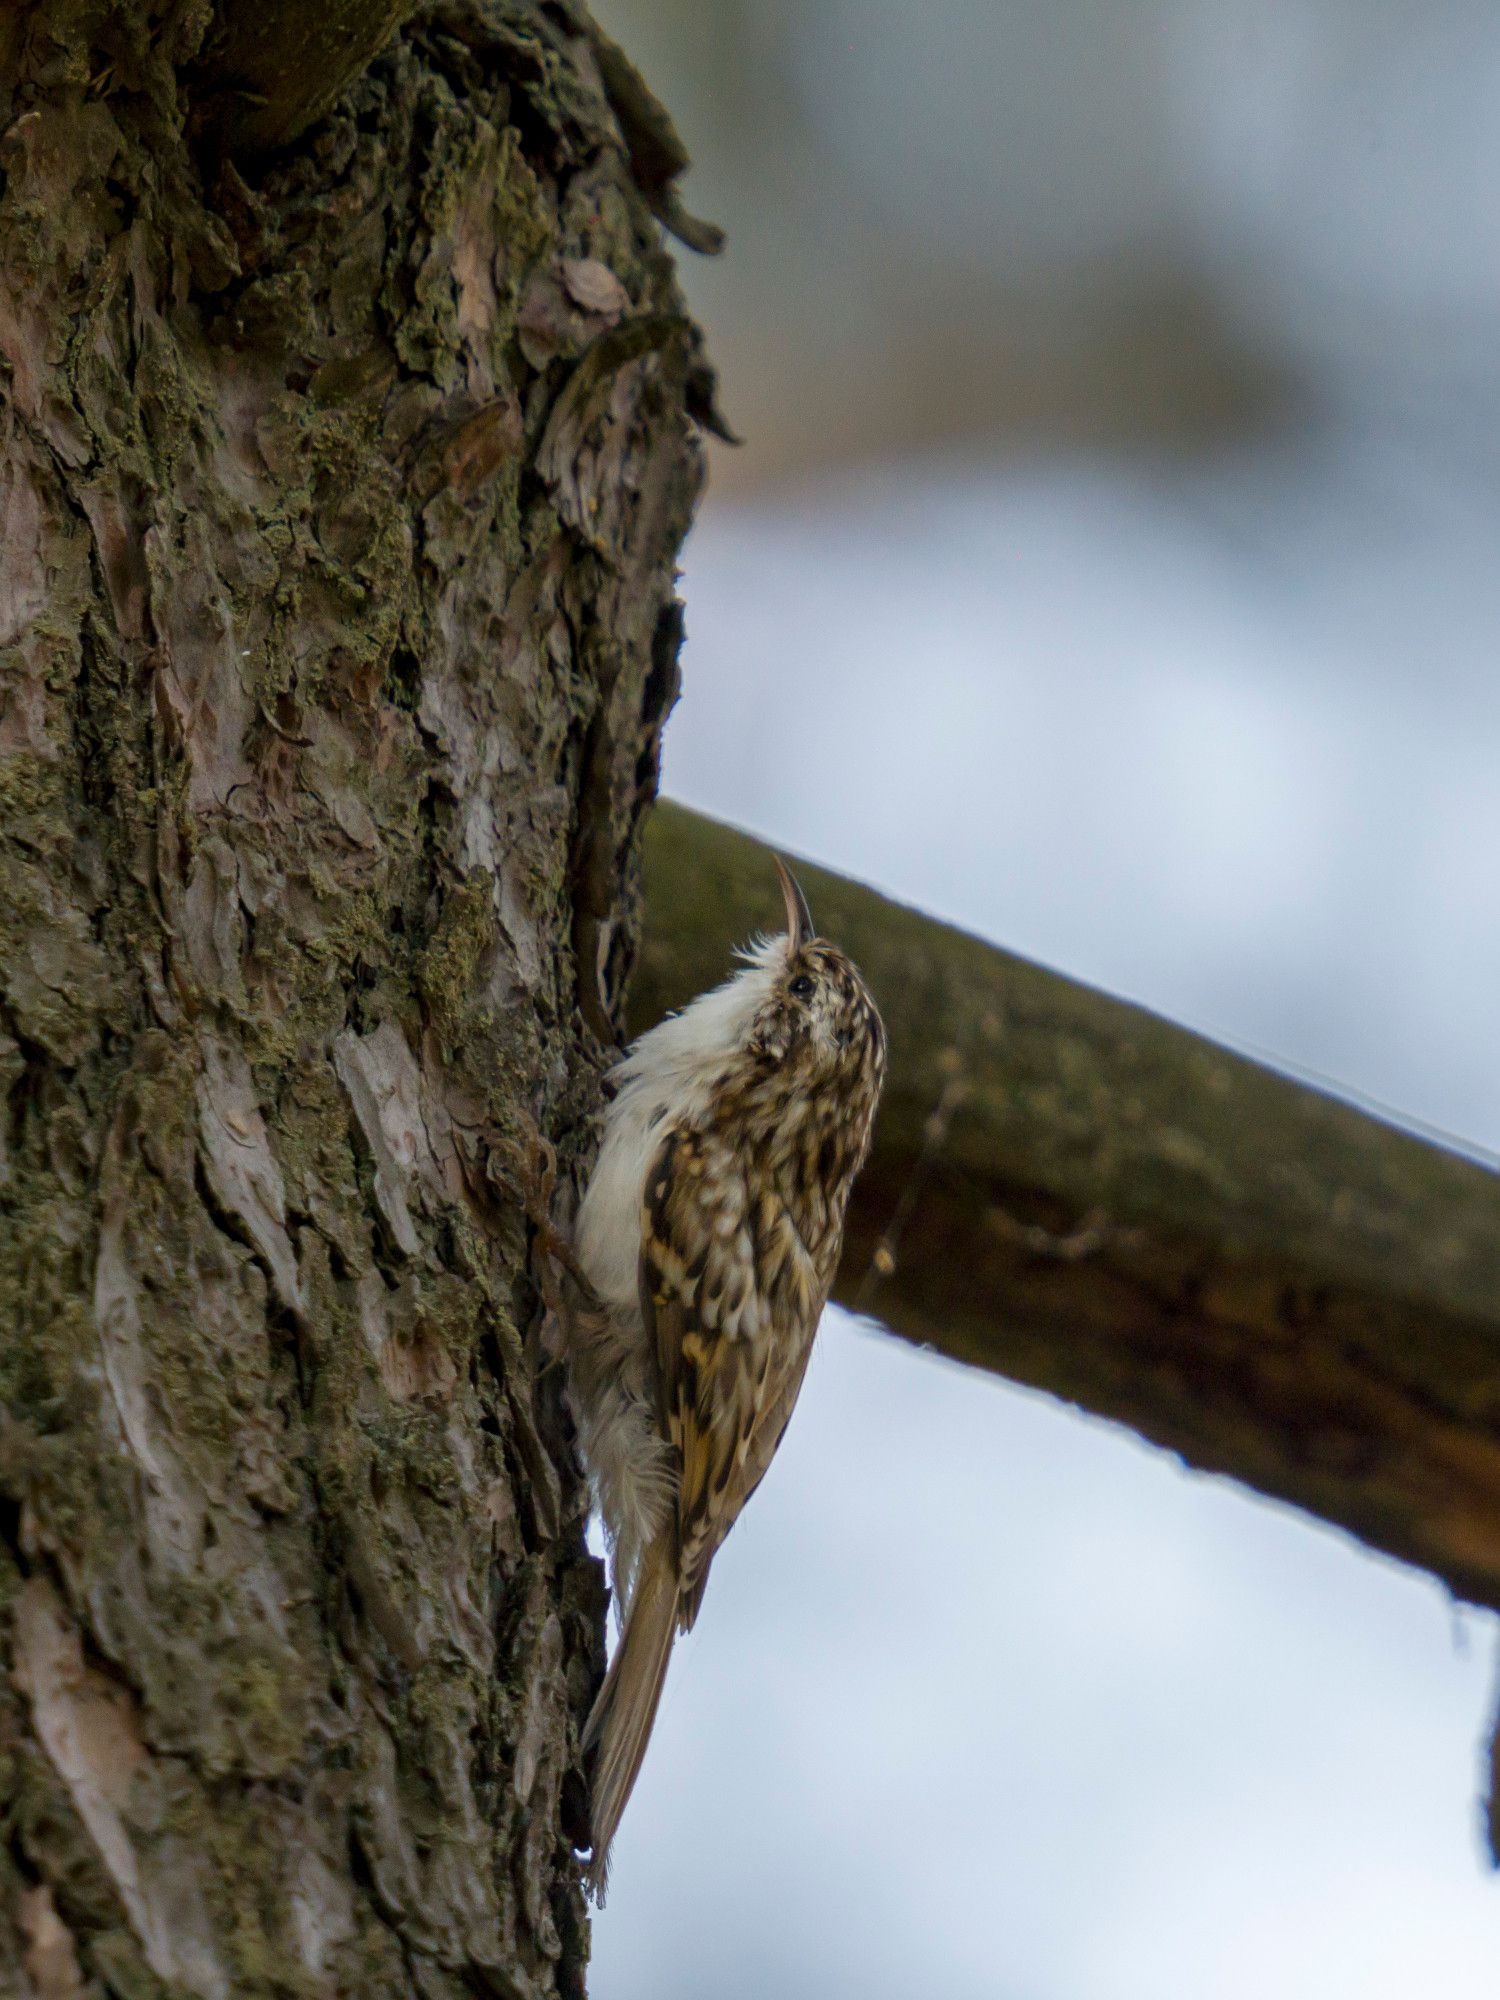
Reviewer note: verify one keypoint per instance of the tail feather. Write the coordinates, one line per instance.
(621, 1719)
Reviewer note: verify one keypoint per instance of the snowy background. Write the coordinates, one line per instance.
(989, 1700)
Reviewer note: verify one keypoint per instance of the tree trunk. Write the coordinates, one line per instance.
(342, 493)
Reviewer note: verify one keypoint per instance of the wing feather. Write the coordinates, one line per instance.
(731, 1299)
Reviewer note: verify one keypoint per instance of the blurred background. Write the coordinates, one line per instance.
(1110, 567)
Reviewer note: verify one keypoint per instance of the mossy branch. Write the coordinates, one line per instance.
(1073, 1193)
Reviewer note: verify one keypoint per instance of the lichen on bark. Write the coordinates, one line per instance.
(342, 494)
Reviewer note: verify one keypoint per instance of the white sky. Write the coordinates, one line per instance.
(989, 1699)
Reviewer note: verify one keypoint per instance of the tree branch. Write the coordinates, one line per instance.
(1070, 1192)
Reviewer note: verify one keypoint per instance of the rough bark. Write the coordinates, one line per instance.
(269, 68)
(1074, 1193)
(342, 490)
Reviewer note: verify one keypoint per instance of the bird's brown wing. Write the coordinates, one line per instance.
(732, 1301)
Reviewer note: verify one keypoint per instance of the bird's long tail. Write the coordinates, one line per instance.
(621, 1718)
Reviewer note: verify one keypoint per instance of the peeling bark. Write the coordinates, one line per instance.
(342, 489)
(1076, 1194)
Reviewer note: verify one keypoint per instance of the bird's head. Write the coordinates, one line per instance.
(814, 1018)
(793, 1035)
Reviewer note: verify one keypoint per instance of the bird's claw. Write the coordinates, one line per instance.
(533, 1180)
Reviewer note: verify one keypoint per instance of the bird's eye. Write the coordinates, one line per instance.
(801, 987)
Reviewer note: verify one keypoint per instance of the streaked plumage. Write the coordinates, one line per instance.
(710, 1233)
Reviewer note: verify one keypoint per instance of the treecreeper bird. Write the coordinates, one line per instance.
(709, 1235)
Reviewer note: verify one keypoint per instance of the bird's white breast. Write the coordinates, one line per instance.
(666, 1079)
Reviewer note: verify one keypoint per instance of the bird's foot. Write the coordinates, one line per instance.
(533, 1180)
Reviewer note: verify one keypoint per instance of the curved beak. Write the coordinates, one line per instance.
(799, 921)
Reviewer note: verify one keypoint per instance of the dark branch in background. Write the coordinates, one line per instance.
(273, 67)
(1073, 1193)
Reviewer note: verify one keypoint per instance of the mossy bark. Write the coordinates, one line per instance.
(1076, 1194)
(342, 490)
